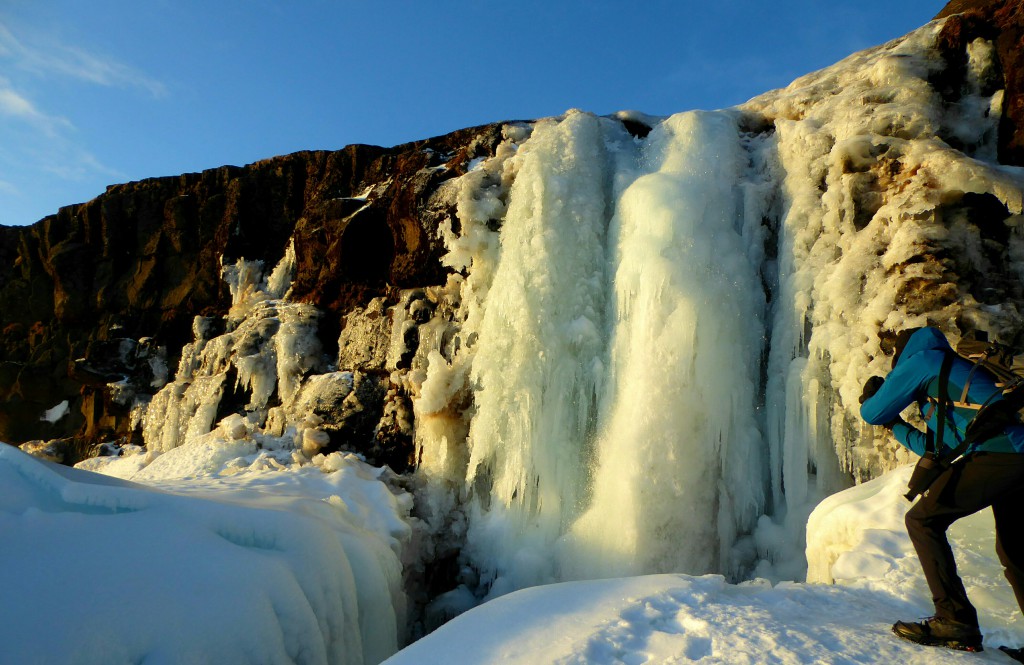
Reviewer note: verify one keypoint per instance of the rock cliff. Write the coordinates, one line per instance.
(81, 288)
(1002, 22)
(106, 293)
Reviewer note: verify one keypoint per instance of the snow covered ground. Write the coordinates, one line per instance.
(260, 564)
(856, 536)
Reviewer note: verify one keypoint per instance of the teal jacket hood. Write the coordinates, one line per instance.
(925, 339)
(914, 377)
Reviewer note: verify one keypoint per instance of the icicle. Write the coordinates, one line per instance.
(539, 358)
(679, 472)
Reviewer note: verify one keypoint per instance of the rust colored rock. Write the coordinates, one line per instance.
(144, 258)
(1003, 22)
(381, 232)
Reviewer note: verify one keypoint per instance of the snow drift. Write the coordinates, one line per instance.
(866, 577)
(298, 566)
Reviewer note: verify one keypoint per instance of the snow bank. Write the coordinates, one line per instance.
(678, 619)
(248, 565)
(856, 536)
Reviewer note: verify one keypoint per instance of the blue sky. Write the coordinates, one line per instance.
(100, 92)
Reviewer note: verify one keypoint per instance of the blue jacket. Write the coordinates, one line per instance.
(916, 377)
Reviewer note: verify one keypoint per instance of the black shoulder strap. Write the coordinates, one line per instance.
(934, 442)
(947, 364)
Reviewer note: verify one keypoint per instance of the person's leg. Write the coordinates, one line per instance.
(973, 484)
(1010, 544)
(927, 522)
(1009, 520)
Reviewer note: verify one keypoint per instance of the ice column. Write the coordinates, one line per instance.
(680, 461)
(539, 356)
(616, 360)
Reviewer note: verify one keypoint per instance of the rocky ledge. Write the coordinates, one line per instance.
(102, 292)
(98, 301)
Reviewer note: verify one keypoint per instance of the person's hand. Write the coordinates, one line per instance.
(871, 387)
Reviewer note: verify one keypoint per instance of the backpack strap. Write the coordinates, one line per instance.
(977, 364)
(969, 438)
(933, 464)
(933, 441)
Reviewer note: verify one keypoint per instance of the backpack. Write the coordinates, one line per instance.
(993, 417)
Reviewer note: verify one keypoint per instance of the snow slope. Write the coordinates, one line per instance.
(855, 536)
(247, 565)
(260, 566)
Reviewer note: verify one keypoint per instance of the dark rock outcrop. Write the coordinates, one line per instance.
(1001, 21)
(144, 258)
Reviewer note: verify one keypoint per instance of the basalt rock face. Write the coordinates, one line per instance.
(106, 291)
(1001, 21)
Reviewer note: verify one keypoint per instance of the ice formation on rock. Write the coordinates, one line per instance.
(661, 342)
(261, 362)
(648, 351)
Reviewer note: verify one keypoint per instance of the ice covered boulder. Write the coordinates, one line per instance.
(857, 538)
(271, 567)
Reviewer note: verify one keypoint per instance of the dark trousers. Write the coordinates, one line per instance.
(979, 481)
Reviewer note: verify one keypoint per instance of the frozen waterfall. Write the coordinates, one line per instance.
(616, 357)
(540, 353)
(662, 339)
(686, 315)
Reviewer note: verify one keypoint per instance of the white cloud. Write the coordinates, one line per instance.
(12, 103)
(41, 141)
(78, 165)
(47, 56)
(16, 105)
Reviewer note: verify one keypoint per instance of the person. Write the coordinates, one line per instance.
(990, 473)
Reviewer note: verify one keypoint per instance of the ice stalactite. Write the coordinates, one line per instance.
(539, 360)
(679, 433)
(612, 345)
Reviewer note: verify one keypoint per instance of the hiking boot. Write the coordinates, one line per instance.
(1016, 654)
(940, 632)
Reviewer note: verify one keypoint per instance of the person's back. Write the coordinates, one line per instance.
(915, 377)
(990, 473)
